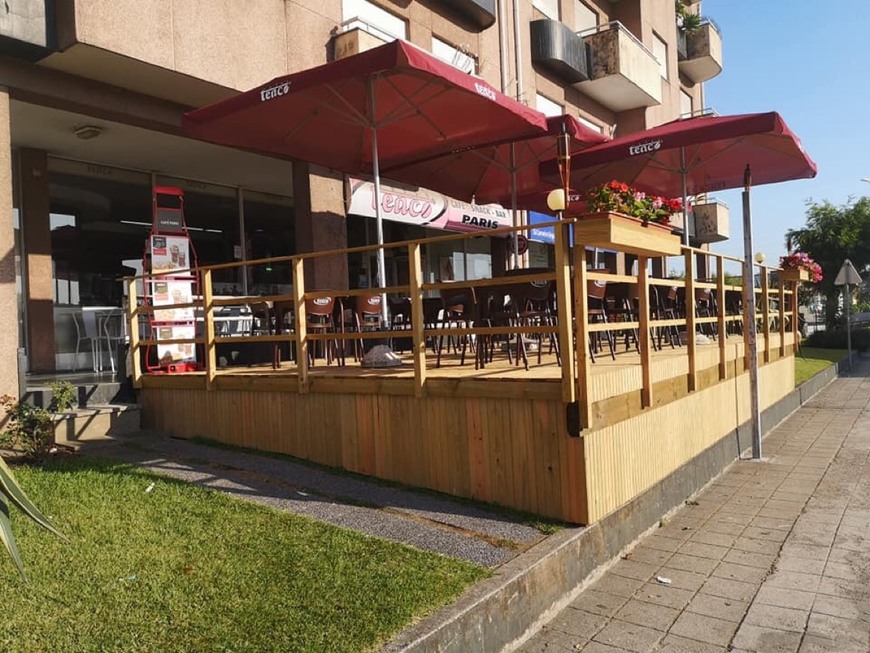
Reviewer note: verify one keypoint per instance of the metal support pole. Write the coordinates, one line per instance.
(749, 318)
(379, 220)
(848, 323)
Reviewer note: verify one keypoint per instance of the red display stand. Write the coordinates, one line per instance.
(169, 259)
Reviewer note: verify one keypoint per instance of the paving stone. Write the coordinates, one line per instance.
(717, 539)
(692, 563)
(815, 644)
(701, 550)
(687, 580)
(837, 606)
(729, 589)
(766, 640)
(545, 641)
(634, 569)
(661, 543)
(619, 585)
(802, 565)
(761, 560)
(771, 616)
(809, 551)
(794, 580)
(840, 570)
(671, 597)
(772, 523)
(716, 606)
(850, 589)
(631, 637)
(753, 545)
(785, 598)
(658, 617)
(742, 573)
(677, 644)
(579, 624)
(704, 628)
(769, 534)
(648, 555)
(597, 647)
(598, 602)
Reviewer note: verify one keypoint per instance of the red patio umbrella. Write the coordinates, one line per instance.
(385, 106)
(698, 155)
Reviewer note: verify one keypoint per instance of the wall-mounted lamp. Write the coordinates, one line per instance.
(87, 132)
(556, 199)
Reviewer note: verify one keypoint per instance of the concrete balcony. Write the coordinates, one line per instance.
(623, 74)
(712, 222)
(703, 59)
(558, 50)
(480, 13)
(357, 36)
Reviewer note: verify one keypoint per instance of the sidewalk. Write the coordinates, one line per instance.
(771, 556)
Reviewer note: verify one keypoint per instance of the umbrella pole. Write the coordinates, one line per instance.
(379, 219)
(684, 173)
(516, 222)
(749, 318)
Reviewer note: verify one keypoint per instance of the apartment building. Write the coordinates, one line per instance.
(90, 121)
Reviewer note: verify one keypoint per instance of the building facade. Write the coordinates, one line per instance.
(90, 121)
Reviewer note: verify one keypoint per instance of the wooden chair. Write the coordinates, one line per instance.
(596, 292)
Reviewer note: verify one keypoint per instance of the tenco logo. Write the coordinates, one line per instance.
(485, 91)
(644, 148)
(274, 91)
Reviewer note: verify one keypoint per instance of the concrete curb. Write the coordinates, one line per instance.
(501, 611)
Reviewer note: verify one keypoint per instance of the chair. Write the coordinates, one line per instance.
(366, 317)
(261, 319)
(534, 303)
(114, 328)
(596, 292)
(88, 331)
(456, 311)
(319, 320)
(498, 308)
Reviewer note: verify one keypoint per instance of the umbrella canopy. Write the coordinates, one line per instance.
(707, 153)
(498, 172)
(418, 104)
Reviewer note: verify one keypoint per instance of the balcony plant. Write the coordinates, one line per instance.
(625, 219)
(688, 21)
(798, 266)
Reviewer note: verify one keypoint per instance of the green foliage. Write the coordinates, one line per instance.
(28, 429)
(687, 20)
(836, 339)
(182, 568)
(831, 235)
(64, 396)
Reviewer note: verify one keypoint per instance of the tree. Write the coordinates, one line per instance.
(831, 235)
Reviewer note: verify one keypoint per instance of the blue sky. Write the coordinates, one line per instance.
(810, 62)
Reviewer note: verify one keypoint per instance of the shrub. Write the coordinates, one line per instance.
(28, 429)
(836, 339)
(64, 396)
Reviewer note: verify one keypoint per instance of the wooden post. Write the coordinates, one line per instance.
(133, 321)
(208, 321)
(301, 323)
(765, 311)
(565, 313)
(795, 314)
(721, 327)
(581, 310)
(418, 326)
(781, 316)
(646, 393)
(691, 324)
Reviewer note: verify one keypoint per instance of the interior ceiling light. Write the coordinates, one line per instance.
(87, 132)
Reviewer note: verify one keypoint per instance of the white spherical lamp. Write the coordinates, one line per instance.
(759, 257)
(556, 199)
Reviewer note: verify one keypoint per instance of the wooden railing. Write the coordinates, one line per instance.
(572, 328)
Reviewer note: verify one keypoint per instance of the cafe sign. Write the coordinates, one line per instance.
(423, 208)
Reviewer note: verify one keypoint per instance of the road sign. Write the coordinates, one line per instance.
(522, 244)
(847, 275)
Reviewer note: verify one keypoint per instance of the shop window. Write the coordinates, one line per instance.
(456, 57)
(550, 8)
(371, 18)
(546, 106)
(584, 17)
(269, 232)
(660, 51)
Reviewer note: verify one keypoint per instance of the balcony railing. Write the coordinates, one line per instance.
(623, 73)
(558, 50)
(356, 35)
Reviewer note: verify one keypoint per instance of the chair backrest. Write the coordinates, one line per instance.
(458, 301)
(320, 309)
(368, 309)
(89, 320)
(115, 325)
(703, 295)
(596, 289)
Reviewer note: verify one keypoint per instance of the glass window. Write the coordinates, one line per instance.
(456, 57)
(593, 126)
(385, 25)
(584, 17)
(550, 8)
(546, 106)
(270, 231)
(660, 50)
(685, 104)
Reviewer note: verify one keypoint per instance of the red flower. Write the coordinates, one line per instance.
(623, 188)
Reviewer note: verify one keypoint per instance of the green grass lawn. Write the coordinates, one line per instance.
(182, 568)
(812, 360)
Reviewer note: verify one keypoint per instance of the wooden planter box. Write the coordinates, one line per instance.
(795, 274)
(625, 234)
